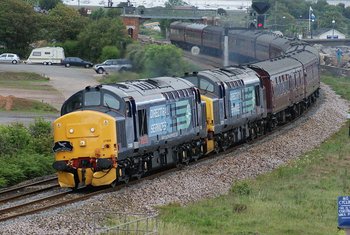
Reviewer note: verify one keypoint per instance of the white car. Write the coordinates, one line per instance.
(9, 58)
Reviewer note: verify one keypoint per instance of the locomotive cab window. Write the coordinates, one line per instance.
(92, 98)
(73, 103)
(110, 101)
(206, 85)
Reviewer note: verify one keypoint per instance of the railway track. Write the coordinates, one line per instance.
(64, 198)
(11, 193)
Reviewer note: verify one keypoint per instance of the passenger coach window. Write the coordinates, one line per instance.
(110, 101)
(92, 98)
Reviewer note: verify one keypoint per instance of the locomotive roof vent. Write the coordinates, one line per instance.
(121, 86)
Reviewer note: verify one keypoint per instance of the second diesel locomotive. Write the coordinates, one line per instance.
(110, 133)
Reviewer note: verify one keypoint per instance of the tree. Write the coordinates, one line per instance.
(98, 14)
(163, 60)
(101, 33)
(173, 3)
(19, 25)
(109, 52)
(63, 23)
(136, 53)
(48, 4)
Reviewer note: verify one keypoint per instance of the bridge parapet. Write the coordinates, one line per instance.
(166, 13)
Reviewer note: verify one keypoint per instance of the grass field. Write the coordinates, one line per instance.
(299, 198)
(25, 81)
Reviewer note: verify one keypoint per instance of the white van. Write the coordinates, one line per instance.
(46, 55)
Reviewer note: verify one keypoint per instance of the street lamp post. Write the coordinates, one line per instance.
(333, 23)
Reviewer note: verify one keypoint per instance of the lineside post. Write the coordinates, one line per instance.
(226, 48)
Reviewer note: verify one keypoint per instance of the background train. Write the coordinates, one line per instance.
(111, 133)
(244, 46)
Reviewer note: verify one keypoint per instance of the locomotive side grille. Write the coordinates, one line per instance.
(216, 110)
(121, 133)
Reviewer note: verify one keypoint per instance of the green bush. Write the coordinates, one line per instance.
(71, 48)
(25, 152)
(13, 139)
(109, 52)
(42, 136)
(163, 60)
(241, 188)
(136, 53)
(10, 173)
(24, 166)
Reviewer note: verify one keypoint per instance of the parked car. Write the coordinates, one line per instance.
(76, 61)
(113, 65)
(9, 58)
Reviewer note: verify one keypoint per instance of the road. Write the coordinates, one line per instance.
(66, 81)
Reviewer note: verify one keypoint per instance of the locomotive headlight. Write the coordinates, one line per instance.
(92, 130)
(82, 143)
(71, 131)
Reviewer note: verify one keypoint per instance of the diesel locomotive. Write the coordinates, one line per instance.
(111, 133)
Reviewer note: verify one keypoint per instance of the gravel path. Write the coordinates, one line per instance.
(197, 181)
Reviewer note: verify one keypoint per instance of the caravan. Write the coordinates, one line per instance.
(46, 55)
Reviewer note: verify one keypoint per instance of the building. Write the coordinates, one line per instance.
(327, 34)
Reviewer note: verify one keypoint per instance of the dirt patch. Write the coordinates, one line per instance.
(11, 103)
(6, 102)
(51, 97)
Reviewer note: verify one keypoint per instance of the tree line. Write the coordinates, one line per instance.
(291, 16)
(96, 37)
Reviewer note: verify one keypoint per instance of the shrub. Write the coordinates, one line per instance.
(109, 52)
(13, 139)
(241, 188)
(42, 136)
(10, 173)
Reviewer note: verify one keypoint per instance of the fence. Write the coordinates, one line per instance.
(125, 223)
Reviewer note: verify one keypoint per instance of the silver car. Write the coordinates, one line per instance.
(9, 58)
(113, 65)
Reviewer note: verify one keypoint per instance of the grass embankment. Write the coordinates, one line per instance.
(25, 152)
(24, 81)
(299, 198)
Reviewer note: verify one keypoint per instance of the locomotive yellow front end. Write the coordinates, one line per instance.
(85, 149)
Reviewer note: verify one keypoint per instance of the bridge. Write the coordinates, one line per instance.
(167, 13)
(132, 17)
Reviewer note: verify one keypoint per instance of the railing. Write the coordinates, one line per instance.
(169, 13)
(125, 224)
